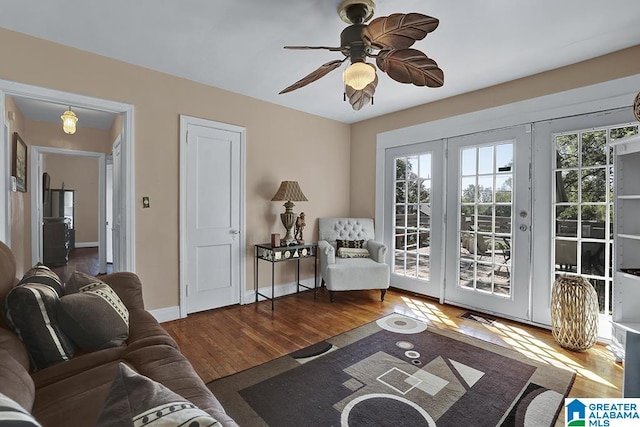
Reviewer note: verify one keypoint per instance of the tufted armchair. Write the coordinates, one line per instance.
(345, 274)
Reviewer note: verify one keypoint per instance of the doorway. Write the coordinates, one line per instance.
(18, 90)
(81, 212)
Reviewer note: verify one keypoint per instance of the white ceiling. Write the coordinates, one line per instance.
(237, 44)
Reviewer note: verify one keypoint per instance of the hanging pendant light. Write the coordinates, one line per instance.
(69, 120)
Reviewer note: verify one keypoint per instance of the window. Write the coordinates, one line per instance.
(583, 206)
(485, 218)
(412, 228)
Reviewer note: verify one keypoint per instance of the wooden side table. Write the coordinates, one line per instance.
(276, 254)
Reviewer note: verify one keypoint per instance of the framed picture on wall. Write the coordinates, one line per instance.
(19, 163)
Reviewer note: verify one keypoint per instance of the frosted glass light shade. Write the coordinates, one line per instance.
(358, 75)
(69, 121)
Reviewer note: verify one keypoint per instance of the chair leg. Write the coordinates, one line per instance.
(332, 296)
(383, 292)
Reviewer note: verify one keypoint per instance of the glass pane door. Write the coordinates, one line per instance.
(485, 214)
(414, 225)
(488, 238)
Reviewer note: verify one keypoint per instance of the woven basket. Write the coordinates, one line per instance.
(574, 313)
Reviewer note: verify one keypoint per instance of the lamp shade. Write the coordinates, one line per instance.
(358, 75)
(289, 191)
(69, 121)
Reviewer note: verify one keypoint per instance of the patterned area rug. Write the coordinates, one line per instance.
(396, 371)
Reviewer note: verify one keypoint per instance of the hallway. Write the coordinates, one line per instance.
(85, 260)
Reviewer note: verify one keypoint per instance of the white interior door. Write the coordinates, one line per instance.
(488, 226)
(213, 212)
(414, 225)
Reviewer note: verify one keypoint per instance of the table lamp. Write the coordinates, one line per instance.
(290, 192)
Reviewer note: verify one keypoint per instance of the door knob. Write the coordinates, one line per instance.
(234, 231)
(523, 227)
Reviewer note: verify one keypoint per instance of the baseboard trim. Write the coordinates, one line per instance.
(166, 314)
(87, 245)
(249, 296)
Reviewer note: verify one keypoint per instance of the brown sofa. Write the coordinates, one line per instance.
(73, 393)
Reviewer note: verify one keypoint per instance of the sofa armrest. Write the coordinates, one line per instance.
(128, 288)
(327, 253)
(377, 250)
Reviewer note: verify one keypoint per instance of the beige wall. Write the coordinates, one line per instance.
(282, 144)
(79, 174)
(51, 135)
(363, 134)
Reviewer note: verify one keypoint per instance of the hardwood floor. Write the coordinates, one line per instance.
(85, 260)
(228, 340)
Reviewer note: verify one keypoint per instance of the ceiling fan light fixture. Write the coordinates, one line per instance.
(69, 120)
(358, 75)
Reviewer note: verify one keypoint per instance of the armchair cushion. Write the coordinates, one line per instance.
(353, 253)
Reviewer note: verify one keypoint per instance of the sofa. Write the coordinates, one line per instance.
(80, 391)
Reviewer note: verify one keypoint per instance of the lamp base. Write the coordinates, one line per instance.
(288, 219)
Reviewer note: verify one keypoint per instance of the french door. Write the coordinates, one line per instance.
(414, 223)
(488, 193)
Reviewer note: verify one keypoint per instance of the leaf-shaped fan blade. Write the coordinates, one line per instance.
(411, 66)
(360, 98)
(332, 49)
(399, 31)
(312, 77)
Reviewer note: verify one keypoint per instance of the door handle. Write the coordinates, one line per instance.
(523, 227)
(234, 231)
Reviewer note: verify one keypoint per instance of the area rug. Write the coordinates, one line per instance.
(397, 371)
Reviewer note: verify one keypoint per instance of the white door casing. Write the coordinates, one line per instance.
(128, 170)
(212, 214)
(116, 205)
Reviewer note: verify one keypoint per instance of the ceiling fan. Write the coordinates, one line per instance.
(387, 39)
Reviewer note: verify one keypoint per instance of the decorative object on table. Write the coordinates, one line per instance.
(398, 371)
(300, 224)
(69, 120)
(290, 192)
(19, 163)
(275, 239)
(574, 313)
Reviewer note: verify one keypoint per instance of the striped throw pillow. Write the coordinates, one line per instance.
(14, 415)
(30, 310)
